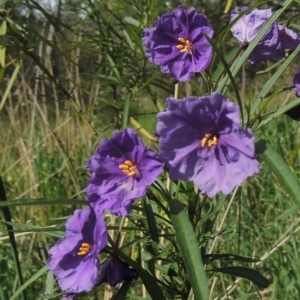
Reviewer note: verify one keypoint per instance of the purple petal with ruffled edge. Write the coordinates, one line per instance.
(78, 273)
(113, 205)
(296, 82)
(219, 167)
(113, 189)
(249, 25)
(114, 271)
(161, 43)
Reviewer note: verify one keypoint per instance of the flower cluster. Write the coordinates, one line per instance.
(123, 167)
(201, 139)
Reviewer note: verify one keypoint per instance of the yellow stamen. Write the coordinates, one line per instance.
(84, 249)
(123, 167)
(187, 45)
(128, 168)
(209, 140)
(129, 163)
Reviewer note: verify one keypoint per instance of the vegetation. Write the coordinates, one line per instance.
(75, 74)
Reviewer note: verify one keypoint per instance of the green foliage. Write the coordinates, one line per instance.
(84, 74)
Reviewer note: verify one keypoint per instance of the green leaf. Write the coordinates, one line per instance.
(10, 83)
(122, 292)
(41, 201)
(220, 67)
(150, 80)
(258, 279)
(151, 222)
(3, 28)
(126, 110)
(287, 179)
(28, 282)
(270, 83)
(49, 284)
(114, 68)
(189, 249)
(227, 69)
(279, 112)
(128, 40)
(288, 212)
(224, 256)
(132, 21)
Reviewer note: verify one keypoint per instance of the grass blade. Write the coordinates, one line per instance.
(42, 201)
(28, 282)
(7, 218)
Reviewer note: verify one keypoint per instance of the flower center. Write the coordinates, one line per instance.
(84, 249)
(209, 140)
(128, 168)
(185, 46)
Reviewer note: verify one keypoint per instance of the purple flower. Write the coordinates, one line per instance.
(201, 140)
(296, 82)
(289, 38)
(123, 167)
(247, 28)
(114, 271)
(74, 259)
(100, 204)
(177, 43)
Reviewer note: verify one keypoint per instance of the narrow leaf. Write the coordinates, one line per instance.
(3, 28)
(258, 279)
(132, 21)
(142, 130)
(227, 69)
(28, 282)
(7, 218)
(228, 6)
(43, 202)
(126, 110)
(49, 284)
(148, 280)
(189, 249)
(128, 40)
(10, 84)
(114, 68)
(270, 83)
(283, 110)
(122, 292)
(225, 256)
(287, 179)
